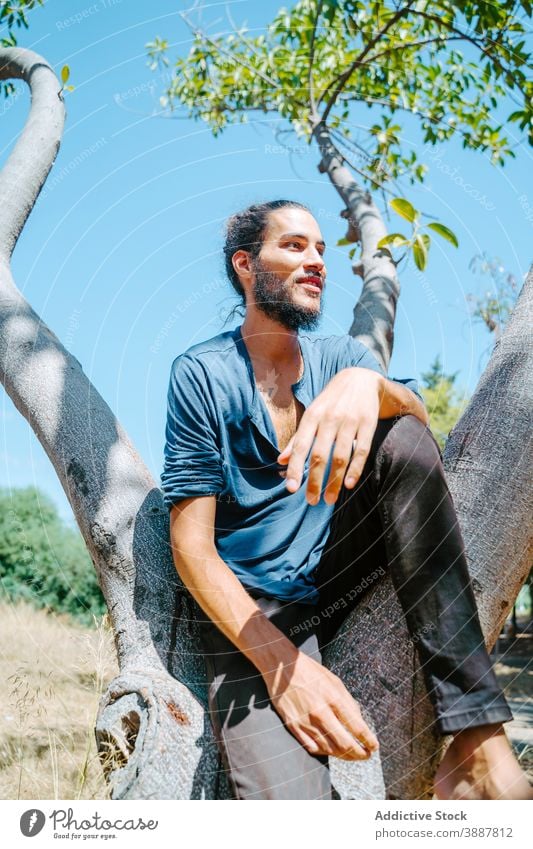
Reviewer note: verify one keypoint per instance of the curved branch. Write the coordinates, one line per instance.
(29, 163)
(375, 311)
(312, 100)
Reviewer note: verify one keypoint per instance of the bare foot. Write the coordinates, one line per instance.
(480, 764)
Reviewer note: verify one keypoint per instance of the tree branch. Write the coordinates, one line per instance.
(29, 163)
(355, 64)
(314, 115)
(465, 37)
(410, 44)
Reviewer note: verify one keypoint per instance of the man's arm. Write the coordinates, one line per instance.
(313, 703)
(399, 400)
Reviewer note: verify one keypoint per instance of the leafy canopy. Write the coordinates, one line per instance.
(458, 67)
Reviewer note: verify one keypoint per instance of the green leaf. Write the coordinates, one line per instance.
(343, 241)
(65, 73)
(394, 239)
(404, 208)
(445, 232)
(420, 253)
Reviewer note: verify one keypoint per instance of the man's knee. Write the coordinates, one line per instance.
(410, 447)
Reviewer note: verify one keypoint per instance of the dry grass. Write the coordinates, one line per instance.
(54, 674)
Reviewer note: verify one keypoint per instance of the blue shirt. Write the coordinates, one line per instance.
(220, 440)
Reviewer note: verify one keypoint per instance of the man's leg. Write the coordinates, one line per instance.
(261, 757)
(401, 516)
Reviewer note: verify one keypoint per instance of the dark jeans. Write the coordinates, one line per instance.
(400, 517)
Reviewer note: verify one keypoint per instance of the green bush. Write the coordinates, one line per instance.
(42, 560)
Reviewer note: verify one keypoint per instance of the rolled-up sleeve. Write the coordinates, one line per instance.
(362, 357)
(192, 454)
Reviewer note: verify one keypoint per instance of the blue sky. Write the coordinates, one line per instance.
(121, 256)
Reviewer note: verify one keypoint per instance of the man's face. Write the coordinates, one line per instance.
(289, 273)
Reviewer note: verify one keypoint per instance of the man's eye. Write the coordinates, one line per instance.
(296, 244)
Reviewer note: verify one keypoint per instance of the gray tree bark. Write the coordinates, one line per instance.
(153, 731)
(375, 310)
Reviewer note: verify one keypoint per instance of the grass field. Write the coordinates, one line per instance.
(54, 673)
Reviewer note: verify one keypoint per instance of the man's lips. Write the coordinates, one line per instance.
(315, 281)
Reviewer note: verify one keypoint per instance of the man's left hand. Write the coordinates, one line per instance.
(346, 410)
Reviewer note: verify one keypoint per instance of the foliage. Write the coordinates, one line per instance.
(443, 402)
(494, 306)
(13, 14)
(65, 74)
(43, 561)
(456, 67)
(419, 242)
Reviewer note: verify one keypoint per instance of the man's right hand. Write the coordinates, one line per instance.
(319, 711)
(313, 703)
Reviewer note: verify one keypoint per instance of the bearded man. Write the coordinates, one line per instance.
(296, 473)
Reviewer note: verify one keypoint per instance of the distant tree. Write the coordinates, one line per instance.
(445, 405)
(42, 560)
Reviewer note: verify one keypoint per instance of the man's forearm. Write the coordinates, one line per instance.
(223, 598)
(397, 400)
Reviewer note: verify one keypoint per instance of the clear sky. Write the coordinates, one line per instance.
(121, 256)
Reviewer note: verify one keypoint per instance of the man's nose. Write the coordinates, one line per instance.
(314, 260)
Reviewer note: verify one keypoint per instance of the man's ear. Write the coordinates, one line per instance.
(242, 263)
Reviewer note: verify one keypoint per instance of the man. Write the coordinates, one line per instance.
(296, 472)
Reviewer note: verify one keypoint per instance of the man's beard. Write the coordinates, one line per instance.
(273, 297)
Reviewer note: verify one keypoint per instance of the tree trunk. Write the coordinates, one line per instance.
(153, 732)
(375, 311)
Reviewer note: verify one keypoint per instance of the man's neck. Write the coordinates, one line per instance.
(270, 342)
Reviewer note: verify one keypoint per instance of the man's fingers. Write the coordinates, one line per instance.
(342, 743)
(305, 739)
(339, 460)
(351, 718)
(285, 454)
(322, 738)
(303, 439)
(365, 434)
(320, 452)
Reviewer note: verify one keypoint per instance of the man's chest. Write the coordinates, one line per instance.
(285, 411)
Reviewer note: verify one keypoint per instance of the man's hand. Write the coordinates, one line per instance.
(346, 410)
(319, 711)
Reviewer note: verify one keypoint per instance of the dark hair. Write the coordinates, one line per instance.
(245, 231)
